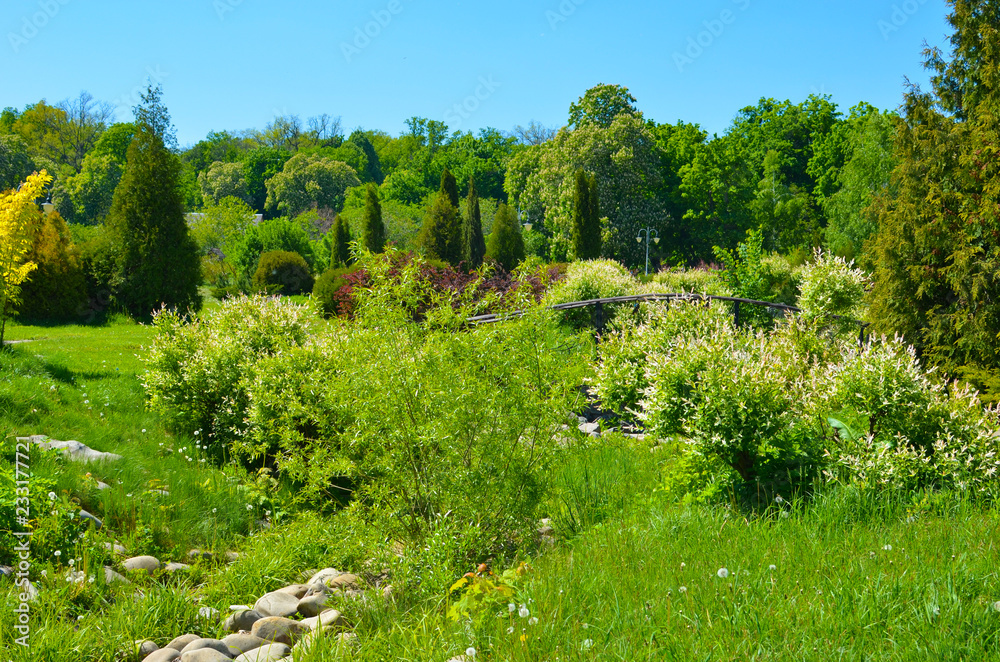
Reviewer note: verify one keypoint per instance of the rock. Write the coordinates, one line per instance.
(242, 643)
(6, 571)
(175, 567)
(162, 493)
(206, 655)
(147, 563)
(208, 613)
(145, 647)
(322, 576)
(89, 517)
(242, 620)
(388, 592)
(232, 557)
(214, 644)
(276, 603)
(342, 581)
(348, 638)
(298, 590)
(266, 653)
(198, 555)
(103, 486)
(313, 604)
(278, 629)
(163, 655)
(590, 428)
(178, 643)
(30, 591)
(115, 548)
(461, 658)
(73, 450)
(328, 618)
(112, 577)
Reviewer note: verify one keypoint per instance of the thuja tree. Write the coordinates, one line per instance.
(441, 233)
(340, 246)
(937, 249)
(373, 228)
(473, 242)
(586, 218)
(506, 245)
(156, 259)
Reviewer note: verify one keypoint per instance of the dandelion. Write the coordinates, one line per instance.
(722, 573)
(52, 496)
(86, 402)
(587, 644)
(144, 430)
(586, 626)
(510, 630)
(996, 606)
(772, 567)
(887, 548)
(784, 514)
(682, 589)
(778, 499)
(72, 562)
(470, 652)
(683, 565)
(57, 553)
(533, 620)
(196, 432)
(523, 611)
(214, 509)
(249, 507)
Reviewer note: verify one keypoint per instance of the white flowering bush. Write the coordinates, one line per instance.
(591, 279)
(831, 286)
(197, 364)
(688, 281)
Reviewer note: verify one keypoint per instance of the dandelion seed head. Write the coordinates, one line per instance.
(722, 573)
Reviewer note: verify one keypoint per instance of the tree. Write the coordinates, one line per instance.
(473, 242)
(152, 115)
(372, 229)
(440, 235)
(15, 162)
(340, 246)
(221, 226)
(224, 180)
(16, 210)
(601, 105)
(449, 187)
(57, 288)
(936, 252)
(373, 169)
(259, 166)
(586, 218)
(93, 189)
(277, 234)
(156, 259)
(506, 245)
(308, 180)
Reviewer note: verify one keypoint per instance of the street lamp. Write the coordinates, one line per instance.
(526, 222)
(47, 206)
(656, 240)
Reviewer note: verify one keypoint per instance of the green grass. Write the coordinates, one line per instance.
(857, 575)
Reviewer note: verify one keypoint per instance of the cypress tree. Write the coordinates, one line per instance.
(441, 235)
(586, 218)
(157, 261)
(340, 250)
(449, 187)
(506, 245)
(473, 242)
(373, 229)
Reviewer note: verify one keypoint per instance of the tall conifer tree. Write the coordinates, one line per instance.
(473, 242)
(373, 229)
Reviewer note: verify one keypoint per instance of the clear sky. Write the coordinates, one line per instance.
(234, 64)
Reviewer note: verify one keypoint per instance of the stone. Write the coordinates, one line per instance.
(276, 603)
(162, 493)
(208, 613)
(590, 428)
(323, 575)
(6, 571)
(175, 567)
(178, 643)
(206, 655)
(103, 486)
(163, 655)
(31, 592)
(87, 516)
(147, 563)
(298, 590)
(73, 450)
(232, 557)
(197, 554)
(313, 604)
(242, 642)
(115, 548)
(112, 577)
(241, 620)
(266, 653)
(348, 638)
(145, 647)
(328, 618)
(214, 644)
(278, 629)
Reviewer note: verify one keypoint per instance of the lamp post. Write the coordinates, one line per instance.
(524, 219)
(656, 240)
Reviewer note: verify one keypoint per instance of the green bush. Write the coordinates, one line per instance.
(56, 290)
(328, 285)
(197, 364)
(283, 272)
(689, 281)
(831, 286)
(591, 279)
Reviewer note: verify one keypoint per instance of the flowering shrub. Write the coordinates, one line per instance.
(592, 279)
(831, 286)
(197, 364)
(700, 280)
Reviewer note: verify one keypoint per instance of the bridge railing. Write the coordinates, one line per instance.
(599, 319)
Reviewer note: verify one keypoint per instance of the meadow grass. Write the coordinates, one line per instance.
(634, 574)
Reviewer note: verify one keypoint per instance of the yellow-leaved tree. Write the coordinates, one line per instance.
(16, 210)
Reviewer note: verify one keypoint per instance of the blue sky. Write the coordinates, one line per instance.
(234, 64)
